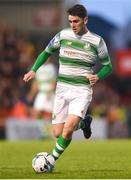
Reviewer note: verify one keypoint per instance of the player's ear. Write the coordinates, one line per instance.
(85, 20)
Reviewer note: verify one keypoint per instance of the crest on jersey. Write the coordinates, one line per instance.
(87, 46)
(69, 43)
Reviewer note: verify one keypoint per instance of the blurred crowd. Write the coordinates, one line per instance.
(17, 54)
(111, 97)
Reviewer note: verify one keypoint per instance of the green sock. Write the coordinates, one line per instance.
(61, 145)
(81, 125)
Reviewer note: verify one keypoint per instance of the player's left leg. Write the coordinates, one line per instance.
(80, 106)
(85, 125)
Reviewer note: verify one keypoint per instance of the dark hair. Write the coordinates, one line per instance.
(78, 10)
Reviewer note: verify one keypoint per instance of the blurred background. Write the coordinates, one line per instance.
(26, 26)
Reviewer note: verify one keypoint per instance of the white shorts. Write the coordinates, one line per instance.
(70, 100)
(44, 102)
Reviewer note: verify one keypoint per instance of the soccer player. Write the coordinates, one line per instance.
(43, 91)
(79, 50)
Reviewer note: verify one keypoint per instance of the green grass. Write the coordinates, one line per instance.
(109, 159)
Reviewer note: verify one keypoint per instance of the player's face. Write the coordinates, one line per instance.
(77, 24)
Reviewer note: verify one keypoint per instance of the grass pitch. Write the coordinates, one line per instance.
(88, 159)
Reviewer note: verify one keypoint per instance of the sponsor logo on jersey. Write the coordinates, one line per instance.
(72, 54)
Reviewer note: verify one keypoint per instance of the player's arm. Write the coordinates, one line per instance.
(53, 45)
(105, 71)
(105, 60)
(106, 64)
(41, 59)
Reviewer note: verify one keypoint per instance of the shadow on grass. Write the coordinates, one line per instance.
(59, 172)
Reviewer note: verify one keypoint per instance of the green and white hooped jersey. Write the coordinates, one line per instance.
(77, 55)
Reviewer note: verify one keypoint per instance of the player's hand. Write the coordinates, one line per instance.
(29, 76)
(93, 78)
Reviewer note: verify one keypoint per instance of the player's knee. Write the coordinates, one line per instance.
(57, 133)
(68, 130)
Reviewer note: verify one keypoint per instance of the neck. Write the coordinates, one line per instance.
(84, 30)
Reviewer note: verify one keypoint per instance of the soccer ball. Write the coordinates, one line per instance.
(41, 162)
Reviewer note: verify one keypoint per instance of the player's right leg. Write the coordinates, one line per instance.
(57, 129)
(65, 137)
(59, 115)
(61, 144)
(57, 151)
(76, 109)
